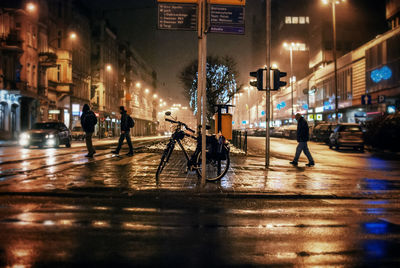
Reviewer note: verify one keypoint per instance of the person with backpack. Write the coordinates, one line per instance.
(88, 121)
(126, 124)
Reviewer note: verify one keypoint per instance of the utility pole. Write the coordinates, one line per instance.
(268, 79)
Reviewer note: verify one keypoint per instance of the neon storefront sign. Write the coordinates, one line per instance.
(380, 74)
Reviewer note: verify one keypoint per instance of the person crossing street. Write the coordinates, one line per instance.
(88, 121)
(302, 139)
(126, 124)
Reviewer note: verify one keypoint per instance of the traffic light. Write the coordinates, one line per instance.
(259, 76)
(276, 76)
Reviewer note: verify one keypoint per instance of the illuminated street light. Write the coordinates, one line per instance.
(31, 7)
(146, 91)
(138, 85)
(72, 36)
(108, 67)
(155, 96)
(334, 3)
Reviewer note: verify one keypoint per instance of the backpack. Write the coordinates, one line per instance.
(131, 122)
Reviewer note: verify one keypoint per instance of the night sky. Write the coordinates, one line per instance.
(168, 52)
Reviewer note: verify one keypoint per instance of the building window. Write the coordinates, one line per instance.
(297, 20)
(2, 116)
(58, 73)
(59, 39)
(28, 72)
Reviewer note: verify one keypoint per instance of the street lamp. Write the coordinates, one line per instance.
(290, 47)
(334, 2)
(31, 7)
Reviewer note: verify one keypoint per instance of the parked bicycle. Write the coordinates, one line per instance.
(217, 153)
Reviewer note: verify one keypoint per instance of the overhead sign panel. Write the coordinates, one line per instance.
(176, 16)
(227, 19)
(177, 1)
(228, 2)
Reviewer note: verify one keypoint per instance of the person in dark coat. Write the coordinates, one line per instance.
(88, 121)
(125, 132)
(302, 139)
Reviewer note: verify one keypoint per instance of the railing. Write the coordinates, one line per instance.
(239, 140)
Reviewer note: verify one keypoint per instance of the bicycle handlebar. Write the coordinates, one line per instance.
(180, 123)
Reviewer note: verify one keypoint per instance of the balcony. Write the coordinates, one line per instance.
(47, 59)
(11, 42)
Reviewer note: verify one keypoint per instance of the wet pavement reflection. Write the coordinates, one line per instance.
(197, 232)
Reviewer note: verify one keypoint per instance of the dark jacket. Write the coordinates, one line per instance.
(302, 130)
(88, 121)
(124, 122)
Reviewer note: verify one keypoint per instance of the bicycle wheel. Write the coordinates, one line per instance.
(213, 172)
(163, 161)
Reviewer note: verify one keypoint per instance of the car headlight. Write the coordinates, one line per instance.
(24, 136)
(49, 136)
(24, 139)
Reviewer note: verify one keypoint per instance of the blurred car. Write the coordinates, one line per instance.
(50, 134)
(347, 135)
(77, 133)
(323, 131)
(277, 131)
(290, 132)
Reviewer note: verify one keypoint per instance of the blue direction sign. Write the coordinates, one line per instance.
(365, 99)
(227, 19)
(177, 16)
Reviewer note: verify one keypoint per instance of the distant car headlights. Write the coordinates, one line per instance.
(50, 136)
(51, 141)
(24, 139)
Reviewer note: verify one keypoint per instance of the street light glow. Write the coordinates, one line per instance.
(30, 7)
(72, 36)
(155, 96)
(108, 67)
(138, 84)
(146, 91)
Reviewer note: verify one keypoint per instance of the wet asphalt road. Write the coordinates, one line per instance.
(60, 209)
(197, 232)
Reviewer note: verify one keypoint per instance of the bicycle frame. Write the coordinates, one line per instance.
(193, 161)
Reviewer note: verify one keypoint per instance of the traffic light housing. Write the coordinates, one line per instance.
(276, 77)
(259, 76)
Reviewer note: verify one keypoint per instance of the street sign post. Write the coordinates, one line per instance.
(365, 99)
(226, 19)
(176, 16)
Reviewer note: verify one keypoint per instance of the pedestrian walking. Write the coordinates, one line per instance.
(126, 124)
(88, 121)
(302, 139)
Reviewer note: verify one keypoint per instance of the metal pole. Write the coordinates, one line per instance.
(267, 99)
(334, 59)
(201, 87)
(291, 77)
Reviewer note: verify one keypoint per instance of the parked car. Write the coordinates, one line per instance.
(277, 131)
(78, 133)
(290, 131)
(347, 135)
(50, 134)
(323, 131)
